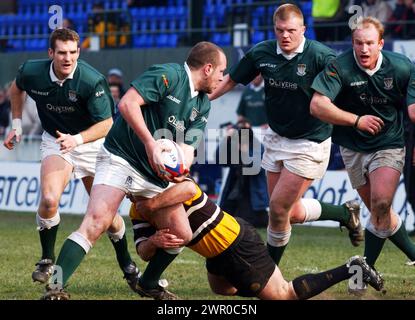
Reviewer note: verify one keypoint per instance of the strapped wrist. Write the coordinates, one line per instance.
(79, 140)
(17, 126)
(356, 123)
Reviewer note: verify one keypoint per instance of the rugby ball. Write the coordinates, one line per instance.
(173, 158)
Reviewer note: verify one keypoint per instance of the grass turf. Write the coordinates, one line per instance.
(311, 249)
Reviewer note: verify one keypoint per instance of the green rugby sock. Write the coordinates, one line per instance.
(403, 242)
(70, 257)
(47, 241)
(334, 213)
(155, 268)
(373, 247)
(121, 250)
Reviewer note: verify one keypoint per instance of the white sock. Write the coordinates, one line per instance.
(278, 238)
(312, 209)
(47, 223)
(81, 240)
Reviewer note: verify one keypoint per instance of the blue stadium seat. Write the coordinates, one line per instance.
(306, 7)
(151, 12)
(309, 32)
(258, 36)
(171, 12)
(161, 13)
(163, 25)
(181, 12)
(143, 25)
(172, 24)
(182, 25)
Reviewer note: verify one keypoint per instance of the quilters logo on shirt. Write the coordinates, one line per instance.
(179, 125)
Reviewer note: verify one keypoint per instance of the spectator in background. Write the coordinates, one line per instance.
(4, 112)
(115, 77)
(404, 12)
(244, 196)
(106, 26)
(379, 9)
(116, 95)
(68, 24)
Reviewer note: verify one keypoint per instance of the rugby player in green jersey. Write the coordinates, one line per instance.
(362, 92)
(75, 108)
(297, 145)
(167, 99)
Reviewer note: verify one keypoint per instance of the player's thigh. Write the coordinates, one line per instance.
(175, 219)
(55, 173)
(289, 189)
(219, 285)
(385, 170)
(272, 180)
(102, 207)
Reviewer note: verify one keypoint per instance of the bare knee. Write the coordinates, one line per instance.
(381, 207)
(94, 225)
(49, 204)
(185, 234)
(278, 212)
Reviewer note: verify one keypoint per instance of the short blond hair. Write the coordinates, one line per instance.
(285, 11)
(366, 21)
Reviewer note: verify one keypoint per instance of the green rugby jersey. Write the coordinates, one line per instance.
(287, 86)
(71, 108)
(169, 107)
(252, 106)
(383, 94)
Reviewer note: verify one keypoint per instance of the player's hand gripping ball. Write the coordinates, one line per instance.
(173, 158)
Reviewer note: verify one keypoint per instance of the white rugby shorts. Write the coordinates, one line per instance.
(112, 170)
(305, 158)
(82, 158)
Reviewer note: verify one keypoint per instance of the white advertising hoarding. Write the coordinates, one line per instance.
(20, 191)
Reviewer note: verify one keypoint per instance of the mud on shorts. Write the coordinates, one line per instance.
(305, 158)
(358, 164)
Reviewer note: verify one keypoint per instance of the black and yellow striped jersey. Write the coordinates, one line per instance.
(213, 229)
